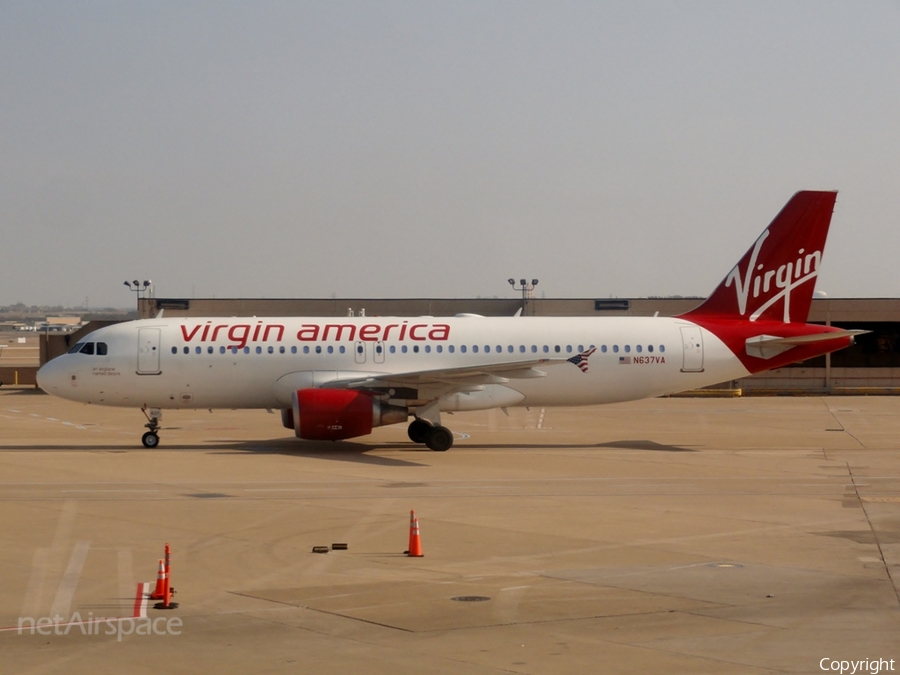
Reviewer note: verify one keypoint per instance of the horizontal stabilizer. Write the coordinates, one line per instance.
(767, 346)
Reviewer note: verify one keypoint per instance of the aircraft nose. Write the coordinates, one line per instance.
(50, 376)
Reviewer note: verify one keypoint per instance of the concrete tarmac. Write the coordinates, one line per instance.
(663, 536)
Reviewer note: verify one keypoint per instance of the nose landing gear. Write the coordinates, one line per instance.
(151, 438)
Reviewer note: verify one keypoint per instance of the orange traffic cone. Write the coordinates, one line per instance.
(160, 591)
(168, 568)
(415, 541)
(168, 591)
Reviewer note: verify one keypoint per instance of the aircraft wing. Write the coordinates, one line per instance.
(497, 373)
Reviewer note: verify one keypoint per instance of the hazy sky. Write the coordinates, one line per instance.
(415, 149)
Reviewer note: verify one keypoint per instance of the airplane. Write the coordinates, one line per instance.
(337, 378)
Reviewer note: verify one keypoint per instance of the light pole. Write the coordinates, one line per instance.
(526, 288)
(140, 289)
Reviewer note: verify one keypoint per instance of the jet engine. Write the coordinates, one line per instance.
(336, 414)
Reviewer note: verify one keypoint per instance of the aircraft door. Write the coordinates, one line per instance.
(359, 351)
(148, 351)
(692, 340)
(378, 356)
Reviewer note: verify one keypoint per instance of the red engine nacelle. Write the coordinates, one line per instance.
(335, 414)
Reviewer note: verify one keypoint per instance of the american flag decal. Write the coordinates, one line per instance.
(581, 360)
(624, 360)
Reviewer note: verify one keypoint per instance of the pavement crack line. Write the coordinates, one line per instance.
(841, 425)
(862, 505)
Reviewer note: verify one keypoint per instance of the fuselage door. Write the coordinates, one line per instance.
(378, 355)
(359, 351)
(692, 339)
(148, 351)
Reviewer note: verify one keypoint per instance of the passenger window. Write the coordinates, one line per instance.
(662, 348)
(650, 348)
(247, 350)
(427, 349)
(462, 349)
(522, 348)
(638, 348)
(627, 349)
(174, 350)
(393, 349)
(474, 349)
(318, 349)
(281, 350)
(615, 349)
(221, 350)
(209, 350)
(603, 348)
(88, 348)
(330, 349)
(451, 348)
(187, 350)
(509, 348)
(403, 349)
(439, 349)
(198, 350)
(533, 349)
(416, 348)
(556, 349)
(568, 349)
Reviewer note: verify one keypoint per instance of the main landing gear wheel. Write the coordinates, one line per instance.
(150, 439)
(418, 430)
(439, 438)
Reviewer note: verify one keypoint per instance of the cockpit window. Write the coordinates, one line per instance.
(89, 348)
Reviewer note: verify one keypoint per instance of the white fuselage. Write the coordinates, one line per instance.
(260, 362)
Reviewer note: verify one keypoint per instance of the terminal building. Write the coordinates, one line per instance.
(871, 366)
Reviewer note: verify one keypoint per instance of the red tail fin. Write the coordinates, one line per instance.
(776, 278)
